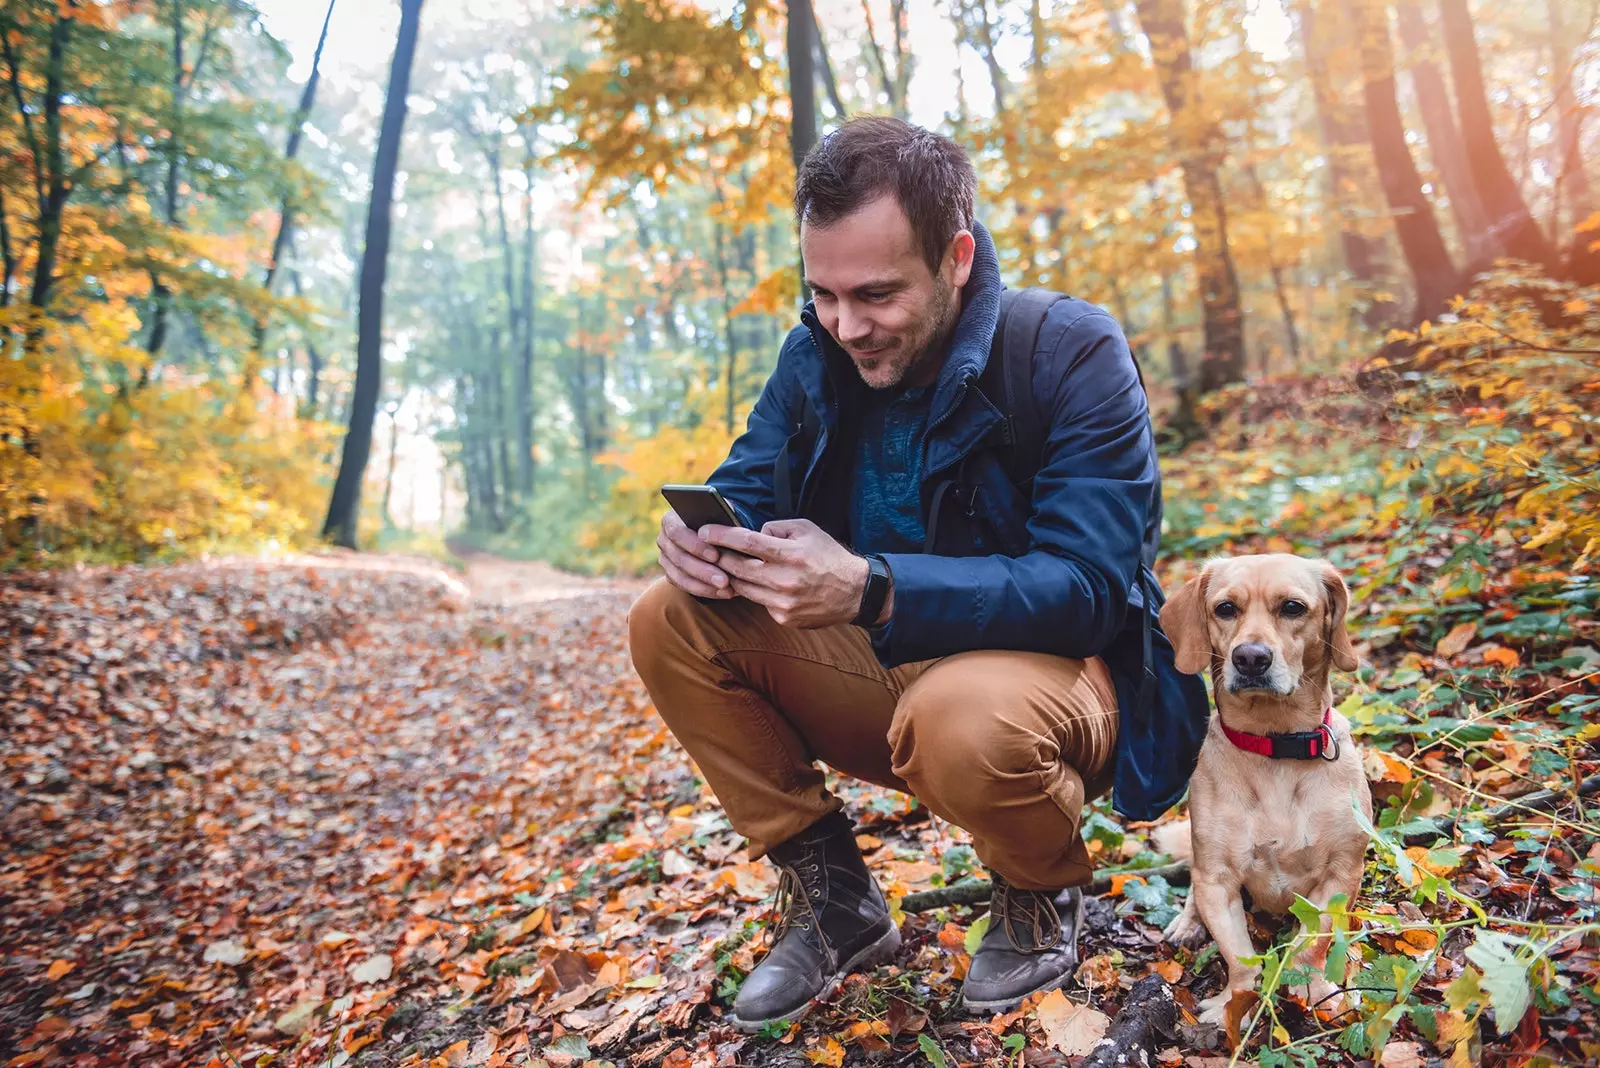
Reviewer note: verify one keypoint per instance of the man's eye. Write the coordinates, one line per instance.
(874, 297)
(818, 294)
(1293, 609)
(1226, 610)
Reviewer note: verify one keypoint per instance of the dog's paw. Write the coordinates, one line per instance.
(1323, 996)
(1187, 929)
(1214, 1010)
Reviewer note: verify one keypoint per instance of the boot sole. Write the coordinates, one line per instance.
(989, 1008)
(874, 954)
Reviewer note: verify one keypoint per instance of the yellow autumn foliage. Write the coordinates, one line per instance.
(623, 537)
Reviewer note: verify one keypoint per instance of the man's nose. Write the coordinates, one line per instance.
(1252, 658)
(852, 327)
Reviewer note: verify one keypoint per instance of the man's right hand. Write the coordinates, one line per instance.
(690, 561)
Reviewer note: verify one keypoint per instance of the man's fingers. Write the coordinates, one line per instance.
(787, 529)
(690, 585)
(706, 574)
(749, 542)
(674, 529)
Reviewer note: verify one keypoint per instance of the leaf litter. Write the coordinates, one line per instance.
(335, 811)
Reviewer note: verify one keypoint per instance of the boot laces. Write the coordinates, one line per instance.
(1032, 910)
(792, 907)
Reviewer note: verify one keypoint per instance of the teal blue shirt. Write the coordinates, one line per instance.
(886, 503)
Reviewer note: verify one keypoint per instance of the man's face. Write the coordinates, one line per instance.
(875, 294)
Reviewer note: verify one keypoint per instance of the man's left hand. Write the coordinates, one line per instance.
(797, 572)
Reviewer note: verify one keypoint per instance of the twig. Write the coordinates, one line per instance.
(1149, 1016)
(974, 891)
(1538, 801)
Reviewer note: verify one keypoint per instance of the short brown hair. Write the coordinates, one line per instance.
(929, 175)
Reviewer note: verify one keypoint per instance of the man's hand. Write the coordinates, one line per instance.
(690, 562)
(801, 576)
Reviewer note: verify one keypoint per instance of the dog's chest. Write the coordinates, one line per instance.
(1284, 831)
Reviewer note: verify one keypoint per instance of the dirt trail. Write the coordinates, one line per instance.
(497, 580)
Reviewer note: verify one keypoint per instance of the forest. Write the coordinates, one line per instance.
(344, 345)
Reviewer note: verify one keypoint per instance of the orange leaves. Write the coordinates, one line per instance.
(1071, 1028)
(59, 968)
(1499, 654)
(1453, 643)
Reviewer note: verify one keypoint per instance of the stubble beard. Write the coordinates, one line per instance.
(894, 370)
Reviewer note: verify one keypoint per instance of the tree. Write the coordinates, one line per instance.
(1435, 275)
(1445, 145)
(284, 237)
(1344, 140)
(1510, 223)
(345, 503)
(802, 80)
(1198, 143)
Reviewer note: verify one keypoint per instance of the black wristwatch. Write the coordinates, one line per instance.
(876, 592)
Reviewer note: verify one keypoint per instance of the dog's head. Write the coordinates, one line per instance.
(1267, 622)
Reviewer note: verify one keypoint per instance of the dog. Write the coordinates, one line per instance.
(1273, 802)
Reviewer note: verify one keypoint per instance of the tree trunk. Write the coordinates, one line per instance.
(1444, 139)
(283, 239)
(159, 292)
(825, 68)
(1199, 148)
(1435, 275)
(345, 505)
(802, 81)
(528, 463)
(1511, 224)
(1345, 144)
(50, 176)
(313, 357)
(393, 412)
(520, 316)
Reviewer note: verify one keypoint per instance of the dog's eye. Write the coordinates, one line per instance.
(1293, 609)
(1226, 610)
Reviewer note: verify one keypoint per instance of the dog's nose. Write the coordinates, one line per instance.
(1252, 658)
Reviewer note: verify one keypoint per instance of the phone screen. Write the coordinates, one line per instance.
(700, 506)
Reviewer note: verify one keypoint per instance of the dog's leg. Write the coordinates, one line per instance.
(1221, 906)
(1186, 929)
(1322, 992)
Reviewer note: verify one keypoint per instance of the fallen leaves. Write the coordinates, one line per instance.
(1071, 1028)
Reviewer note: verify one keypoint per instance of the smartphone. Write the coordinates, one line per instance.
(700, 506)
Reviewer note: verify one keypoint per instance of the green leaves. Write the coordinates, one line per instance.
(975, 934)
(1503, 961)
(930, 1049)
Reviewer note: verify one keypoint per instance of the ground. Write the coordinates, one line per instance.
(372, 811)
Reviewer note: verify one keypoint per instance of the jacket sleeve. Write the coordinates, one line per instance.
(745, 477)
(1069, 593)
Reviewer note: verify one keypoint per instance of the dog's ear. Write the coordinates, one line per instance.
(1339, 647)
(1183, 621)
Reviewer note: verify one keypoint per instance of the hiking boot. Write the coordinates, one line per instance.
(1031, 945)
(831, 920)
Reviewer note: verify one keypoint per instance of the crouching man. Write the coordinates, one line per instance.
(952, 501)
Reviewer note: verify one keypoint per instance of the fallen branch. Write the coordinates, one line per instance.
(1147, 1021)
(974, 891)
(1538, 801)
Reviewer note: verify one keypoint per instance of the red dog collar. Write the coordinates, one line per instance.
(1296, 745)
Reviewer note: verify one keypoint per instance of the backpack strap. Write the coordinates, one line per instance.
(1008, 378)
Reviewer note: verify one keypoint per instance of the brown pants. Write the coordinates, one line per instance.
(1008, 745)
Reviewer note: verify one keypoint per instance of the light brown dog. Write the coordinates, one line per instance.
(1274, 799)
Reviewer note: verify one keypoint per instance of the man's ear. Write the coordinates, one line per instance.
(1183, 621)
(1339, 647)
(963, 249)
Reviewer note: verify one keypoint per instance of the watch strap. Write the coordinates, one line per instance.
(875, 592)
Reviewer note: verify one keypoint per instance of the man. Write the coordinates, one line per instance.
(900, 609)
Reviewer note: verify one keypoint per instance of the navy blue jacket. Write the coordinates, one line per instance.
(1053, 568)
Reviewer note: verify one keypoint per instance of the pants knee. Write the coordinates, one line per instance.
(656, 624)
(959, 735)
